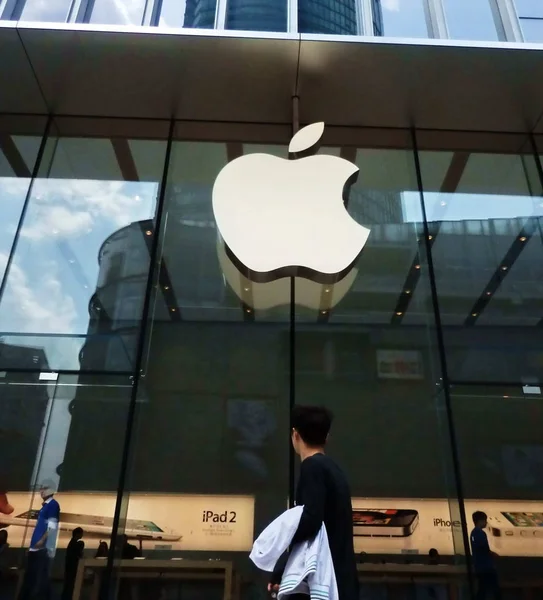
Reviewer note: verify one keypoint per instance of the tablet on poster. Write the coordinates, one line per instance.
(182, 522)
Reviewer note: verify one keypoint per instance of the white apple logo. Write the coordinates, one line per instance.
(282, 218)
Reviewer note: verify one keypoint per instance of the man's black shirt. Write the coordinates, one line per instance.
(324, 493)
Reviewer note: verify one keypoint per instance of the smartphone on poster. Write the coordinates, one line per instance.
(384, 522)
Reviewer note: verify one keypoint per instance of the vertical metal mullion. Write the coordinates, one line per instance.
(292, 391)
(13, 9)
(508, 17)
(154, 17)
(73, 13)
(442, 358)
(437, 20)
(35, 172)
(538, 166)
(220, 14)
(151, 13)
(85, 11)
(292, 16)
(131, 414)
(366, 17)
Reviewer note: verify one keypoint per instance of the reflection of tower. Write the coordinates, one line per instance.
(377, 11)
(327, 16)
(23, 410)
(257, 15)
(375, 207)
(314, 16)
(200, 14)
(116, 305)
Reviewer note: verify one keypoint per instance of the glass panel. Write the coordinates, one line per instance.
(532, 29)
(18, 155)
(118, 12)
(501, 464)
(327, 16)
(214, 395)
(488, 268)
(400, 18)
(257, 15)
(50, 11)
(64, 434)
(369, 353)
(80, 266)
(529, 8)
(471, 20)
(189, 13)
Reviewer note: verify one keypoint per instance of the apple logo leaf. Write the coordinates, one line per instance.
(306, 138)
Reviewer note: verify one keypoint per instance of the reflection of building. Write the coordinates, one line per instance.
(23, 411)
(314, 16)
(259, 15)
(327, 16)
(200, 14)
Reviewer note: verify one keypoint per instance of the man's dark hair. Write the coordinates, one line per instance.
(478, 515)
(312, 423)
(77, 532)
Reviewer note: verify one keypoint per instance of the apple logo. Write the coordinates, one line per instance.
(287, 218)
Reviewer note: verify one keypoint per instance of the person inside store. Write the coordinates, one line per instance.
(5, 507)
(483, 559)
(128, 550)
(102, 550)
(74, 552)
(36, 581)
(324, 493)
(4, 545)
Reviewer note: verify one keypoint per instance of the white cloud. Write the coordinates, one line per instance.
(392, 5)
(37, 306)
(69, 208)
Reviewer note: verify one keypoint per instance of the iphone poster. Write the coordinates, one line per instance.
(159, 521)
(414, 526)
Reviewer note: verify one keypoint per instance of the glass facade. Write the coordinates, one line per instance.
(400, 18)
(530, 14)
(477, 20)
(151, 382)
(473, 20)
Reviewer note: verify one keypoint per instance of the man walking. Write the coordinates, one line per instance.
(36, 582)
(324, 493)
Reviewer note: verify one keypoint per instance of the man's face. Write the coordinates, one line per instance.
(45, 493)
(295, 436)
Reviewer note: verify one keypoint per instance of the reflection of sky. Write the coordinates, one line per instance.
(464, 207)
(470, 20)
(55, 268)
(118, 12)
(172, 13)
(404, 18)
(46, 10)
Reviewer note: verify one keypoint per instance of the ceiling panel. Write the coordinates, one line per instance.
(428, 84)
(19, 92)
(157, 74)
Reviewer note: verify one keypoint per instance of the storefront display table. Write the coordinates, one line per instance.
(450, 576)
(144, 569)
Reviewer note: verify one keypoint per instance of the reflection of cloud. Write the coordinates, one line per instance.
(46, 10)
(69, 208)
(40, 306)
(392, 5)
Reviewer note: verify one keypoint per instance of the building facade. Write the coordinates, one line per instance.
(152, 380)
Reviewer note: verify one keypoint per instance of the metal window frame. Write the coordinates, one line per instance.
(510, 20)
(292, 16)
(220, 14)
(433, 12)
(81, 11)
(12, 10)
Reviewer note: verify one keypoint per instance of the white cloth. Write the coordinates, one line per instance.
(309, 569)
